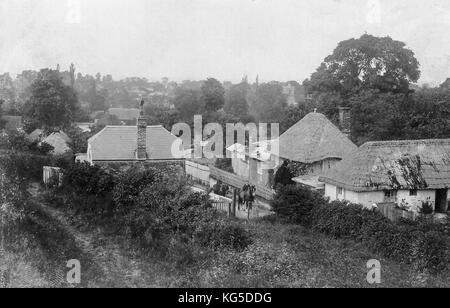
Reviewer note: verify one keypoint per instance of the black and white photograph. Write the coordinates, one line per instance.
(222, 150)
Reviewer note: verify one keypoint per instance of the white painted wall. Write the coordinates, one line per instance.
(415, 202)
(240, 167)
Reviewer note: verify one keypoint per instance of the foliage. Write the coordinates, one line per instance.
(388, 116)
(86, 179)
(51, 103)
(79, 143)
(129, 185)
(236, 100)
(2, 122)
(224, 164)
(424, 244)
(292, 114)
(188, 104)
(366, 63)
(426, 208)
(221, 189)
(24, 168)
(295, 203)
(270, 102)
(213, 95)
(284, 176)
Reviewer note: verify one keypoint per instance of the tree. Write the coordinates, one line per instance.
(72, 75)
(378, 116)
(291, 115)
(213, 95)
(270, 102)
(51, 103)
(188, 103)
(284, 176)
(236, 100)
(2, 122)
(366, 63)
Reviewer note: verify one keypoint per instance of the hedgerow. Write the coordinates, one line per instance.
(153, 207)
(423, 244)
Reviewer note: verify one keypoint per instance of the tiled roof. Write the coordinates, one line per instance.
(408, 164)
(313, 139)
(116, 143)
(124, 114)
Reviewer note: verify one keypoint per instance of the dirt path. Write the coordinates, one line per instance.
(119, 268)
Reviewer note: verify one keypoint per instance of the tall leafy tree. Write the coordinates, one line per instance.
(270, 102)
(2, 122)
(213, 95)
(236, 100)
(188, 104)
(366, 63)
(51, 103)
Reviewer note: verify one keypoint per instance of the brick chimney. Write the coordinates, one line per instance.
(141, 153)
(344, 120)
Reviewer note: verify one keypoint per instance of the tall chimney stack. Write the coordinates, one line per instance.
(344, 120)
(141, 153)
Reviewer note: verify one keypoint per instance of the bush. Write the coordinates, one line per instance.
(295, 203)
(340, 219)
(89, 188)
(24, 167)
(129, 185)
(424, 244)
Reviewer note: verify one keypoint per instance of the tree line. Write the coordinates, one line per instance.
(375, 76)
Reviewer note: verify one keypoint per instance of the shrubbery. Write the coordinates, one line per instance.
(295, 203)
(424, 244)
(154, 207)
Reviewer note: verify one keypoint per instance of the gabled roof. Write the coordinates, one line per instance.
(117, 143)
(59, 141)
(124, 114)
(313, 139)
(408, 164)
(36, 135)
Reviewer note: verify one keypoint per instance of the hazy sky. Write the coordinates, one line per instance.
(181, 39)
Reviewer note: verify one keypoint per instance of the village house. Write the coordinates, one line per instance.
(138, 143)
(58, 140)
(313, 142)
(408, 173)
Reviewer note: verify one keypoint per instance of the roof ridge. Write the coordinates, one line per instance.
(406, 141)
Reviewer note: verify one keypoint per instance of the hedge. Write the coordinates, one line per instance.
(423, 244)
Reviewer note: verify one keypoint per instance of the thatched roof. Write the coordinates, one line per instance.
(313, 139)
(408, 164)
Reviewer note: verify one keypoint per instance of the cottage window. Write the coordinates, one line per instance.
(390, 195)
(340, 191)
(413, 192)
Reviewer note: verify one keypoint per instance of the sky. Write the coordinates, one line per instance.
(226, 39)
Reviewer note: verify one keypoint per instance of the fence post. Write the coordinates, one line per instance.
(234, 201)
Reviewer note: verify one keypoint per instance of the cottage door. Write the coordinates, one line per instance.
(441, 201)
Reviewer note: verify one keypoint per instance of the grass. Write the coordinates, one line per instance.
(286, 255)
(282, 255)
(37, 255)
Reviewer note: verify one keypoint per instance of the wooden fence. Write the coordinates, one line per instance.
(197, 172)
(237, 182)
(394, 214)
(52, 176)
